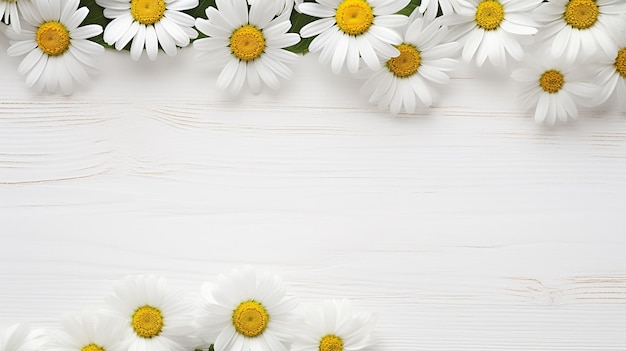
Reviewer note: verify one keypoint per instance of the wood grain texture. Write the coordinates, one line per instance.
(465, 227)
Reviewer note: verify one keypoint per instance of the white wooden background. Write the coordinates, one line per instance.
(467, 227)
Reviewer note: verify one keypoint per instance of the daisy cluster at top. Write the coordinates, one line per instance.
(242, 311)
(564, 53)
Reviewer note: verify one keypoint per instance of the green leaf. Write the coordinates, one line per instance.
(299, 20)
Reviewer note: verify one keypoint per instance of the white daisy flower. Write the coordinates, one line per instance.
(492, 28)
(430, 8)
(555, 87)
(149, 24)
(351, 30)
(424, 59)
(85, 332)
(612, 76)
(334, 327)
(17, 338)
(57, 50)
(248, 44)
(10, 13)
(246, 311)
(579, 26)
(154, 317)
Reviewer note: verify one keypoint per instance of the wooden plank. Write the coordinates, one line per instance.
(464, 227)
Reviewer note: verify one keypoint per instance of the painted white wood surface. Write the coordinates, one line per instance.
(466, 227)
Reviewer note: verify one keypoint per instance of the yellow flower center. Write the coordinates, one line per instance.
(551, 81)
(331, 342)
(92, 347)
(354, 17)
(407, 63)
(620, 62)
(53, 38)
(147, 321)
(147, 11)
(489, 14)
(247, 43)
(581, 14)
(250, 318)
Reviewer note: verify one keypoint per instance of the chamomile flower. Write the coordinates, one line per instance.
(58, 51)
(430, 8)
(334, 327)
(85, 332)
(149, 24)
(579, 26)
(612, 76)
(246, 44)
(554, 88)
(9, 13)
(351, 30)
(424, 59)
(246, 311)
(491, 29)
(154, 317)
(16, 338)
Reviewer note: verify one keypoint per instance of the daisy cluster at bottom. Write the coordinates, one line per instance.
(242, 311)
(564, 53)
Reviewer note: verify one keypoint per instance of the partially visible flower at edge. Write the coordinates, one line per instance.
(86, 331)
(154, 316)
(491, 29)
(334, 326)
(576, 28)
(150, 24)
(612, 75)
(10, 13)
(246, 311)
(17, 337)
(58, 51)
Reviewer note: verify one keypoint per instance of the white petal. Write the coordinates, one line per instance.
(542, 108)
(86, 32)
(316, 27)
(517, 29)
(316, 10)
(260, 16)
(30, 61)
(128, 36)
(267, 75)
(340, 54)
(367, 53)
(166, 41)
(471, 45)
(151, 43)
(227, 74)
(421, 90)
(254, 82)
(136, 48)
(20, 48)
